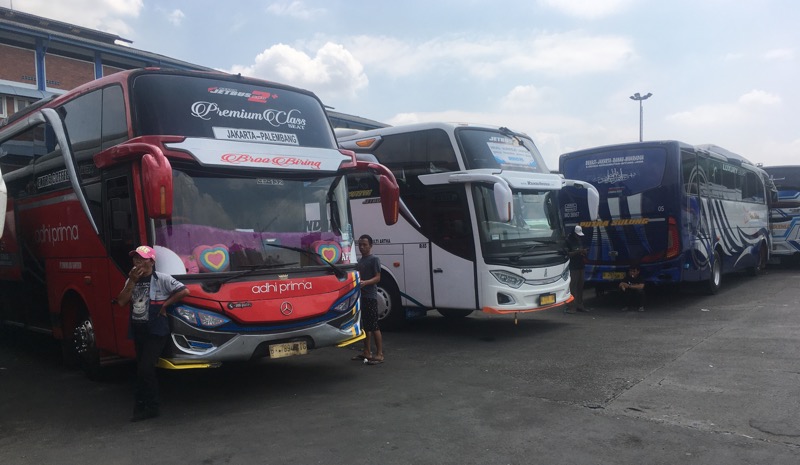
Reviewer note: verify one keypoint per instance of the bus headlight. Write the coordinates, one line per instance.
(202, 318)
(346, 303)
(509, 279)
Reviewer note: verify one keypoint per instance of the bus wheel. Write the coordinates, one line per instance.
(79, 345)
(715, 280)
(453, 313)
(762, 261)
(390, 312)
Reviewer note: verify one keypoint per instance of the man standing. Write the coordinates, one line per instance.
(576, 254)
(150, 293)
(369, 270)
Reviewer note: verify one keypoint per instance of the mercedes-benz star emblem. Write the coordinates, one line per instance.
(286, 308)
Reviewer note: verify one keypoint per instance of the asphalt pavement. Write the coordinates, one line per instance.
(694, 379)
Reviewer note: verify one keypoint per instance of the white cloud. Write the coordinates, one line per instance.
(332, 72)
(759, 97)
(781, 54)
(103, 15)
(591, 9)
(523, 98)
(716, 114)
(488, 57)
(732, 57)
(295, 9)
(176, 17)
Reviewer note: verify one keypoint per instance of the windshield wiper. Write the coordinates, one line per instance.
(336, 270)
(214, 286)
(528, 249)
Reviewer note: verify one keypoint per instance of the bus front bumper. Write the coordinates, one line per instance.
(193, 347)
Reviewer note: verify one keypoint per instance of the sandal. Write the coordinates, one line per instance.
(373, 361)
(358, 358)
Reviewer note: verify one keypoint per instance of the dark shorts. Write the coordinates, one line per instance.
(369, 315)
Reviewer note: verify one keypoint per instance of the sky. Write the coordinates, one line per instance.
(722, 72)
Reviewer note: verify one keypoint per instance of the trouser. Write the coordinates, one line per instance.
(576, 287)
(148, 349)
(634, 298)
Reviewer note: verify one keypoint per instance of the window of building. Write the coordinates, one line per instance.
(21, 103)
(3, 113)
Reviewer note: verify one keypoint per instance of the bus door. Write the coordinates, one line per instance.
(120, 238)
(692, 229)
(452, 248)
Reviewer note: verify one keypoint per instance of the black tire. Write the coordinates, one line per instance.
(762, 261)
(715, 280)
(453, 313)
(391, 314)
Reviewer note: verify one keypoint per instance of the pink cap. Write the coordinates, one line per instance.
(144, 252)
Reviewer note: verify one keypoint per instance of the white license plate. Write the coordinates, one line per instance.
(287, 349)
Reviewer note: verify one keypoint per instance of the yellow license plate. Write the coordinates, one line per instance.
(287, 349)
(547, 299)
(613, 275)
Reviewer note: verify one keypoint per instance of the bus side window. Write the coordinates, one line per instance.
(441, 156)
(690, 173)
(121, 228)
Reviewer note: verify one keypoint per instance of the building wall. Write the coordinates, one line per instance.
(17, 65)
(67, 73)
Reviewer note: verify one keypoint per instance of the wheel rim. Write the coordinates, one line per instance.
(84, 338)
(717, 272)
(384, 303)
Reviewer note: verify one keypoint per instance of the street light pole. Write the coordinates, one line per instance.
(641, 98)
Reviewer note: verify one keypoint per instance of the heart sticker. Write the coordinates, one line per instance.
(329, 251)
(212, 258)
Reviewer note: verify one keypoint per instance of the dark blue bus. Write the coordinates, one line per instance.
(681, 212)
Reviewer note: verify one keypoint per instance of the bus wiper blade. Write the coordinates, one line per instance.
(531, 247)
(340, 274)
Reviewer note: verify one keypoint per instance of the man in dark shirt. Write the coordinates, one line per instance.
(369, 270)
(632, 288)
(576, 253)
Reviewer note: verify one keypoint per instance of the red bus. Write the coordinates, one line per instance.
(237, 183)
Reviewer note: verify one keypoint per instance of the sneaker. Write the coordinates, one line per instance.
(641, 309)
(624, 309)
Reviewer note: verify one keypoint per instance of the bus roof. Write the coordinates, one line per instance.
(125, 75)
(404, 128)
(711, 148)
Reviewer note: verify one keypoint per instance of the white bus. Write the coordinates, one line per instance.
(784, 213)
(479, 226)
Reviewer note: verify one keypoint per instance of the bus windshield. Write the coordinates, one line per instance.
(619, 172)
(241, 218)
(534, 231)
(486, 148)
(167, 104)
(786, 179)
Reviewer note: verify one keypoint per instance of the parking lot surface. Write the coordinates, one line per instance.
(694, 379)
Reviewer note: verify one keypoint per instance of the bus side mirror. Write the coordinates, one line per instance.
(503, 199)
(157, 185)
(390, 199)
